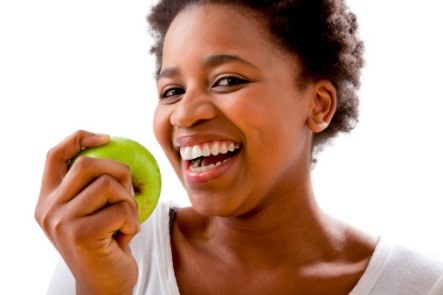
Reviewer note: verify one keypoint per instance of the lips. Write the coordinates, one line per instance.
(209, 155)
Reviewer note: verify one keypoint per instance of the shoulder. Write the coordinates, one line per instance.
(398, 269)
(406, 262)
(411, 271)
(189, 222)
(154, 231)
(151, 248)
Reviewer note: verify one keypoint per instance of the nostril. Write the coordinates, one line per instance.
(197, 122)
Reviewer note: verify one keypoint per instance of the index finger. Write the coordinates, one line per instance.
(57, 158)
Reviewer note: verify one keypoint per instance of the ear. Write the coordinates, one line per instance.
(323, 106)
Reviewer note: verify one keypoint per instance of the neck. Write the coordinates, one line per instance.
(289, 230)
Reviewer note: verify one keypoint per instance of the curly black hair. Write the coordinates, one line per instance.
(322, 34)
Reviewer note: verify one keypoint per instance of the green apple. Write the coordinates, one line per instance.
(146, 178)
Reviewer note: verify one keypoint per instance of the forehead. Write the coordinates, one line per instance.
(216, 29)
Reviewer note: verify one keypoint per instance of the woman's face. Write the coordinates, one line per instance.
(231, 119)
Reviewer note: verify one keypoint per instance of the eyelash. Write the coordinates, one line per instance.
(231, 81)
(175, 90)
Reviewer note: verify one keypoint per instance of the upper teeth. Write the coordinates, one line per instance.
(206, 149)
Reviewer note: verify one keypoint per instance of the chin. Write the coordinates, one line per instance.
(208, 205)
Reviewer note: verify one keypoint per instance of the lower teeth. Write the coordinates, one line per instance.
(196, 168)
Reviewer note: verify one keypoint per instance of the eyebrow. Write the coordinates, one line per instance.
(168, 73)
(208, 62)
(219, 59)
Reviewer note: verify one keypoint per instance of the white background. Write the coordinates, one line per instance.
(68, 65)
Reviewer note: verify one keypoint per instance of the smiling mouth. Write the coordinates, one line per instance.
(205, 157)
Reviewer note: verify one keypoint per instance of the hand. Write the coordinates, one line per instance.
(90, 215)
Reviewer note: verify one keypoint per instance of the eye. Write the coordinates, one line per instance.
(171, 92)
(229, 81)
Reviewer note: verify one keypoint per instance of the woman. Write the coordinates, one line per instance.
(249, 91)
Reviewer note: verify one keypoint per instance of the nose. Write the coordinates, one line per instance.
(192, 109)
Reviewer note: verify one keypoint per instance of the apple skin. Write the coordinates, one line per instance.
(146, 178)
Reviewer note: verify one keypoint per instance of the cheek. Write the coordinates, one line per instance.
(273, 123)
(163, 132)
(162, 127)
(267, 111)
